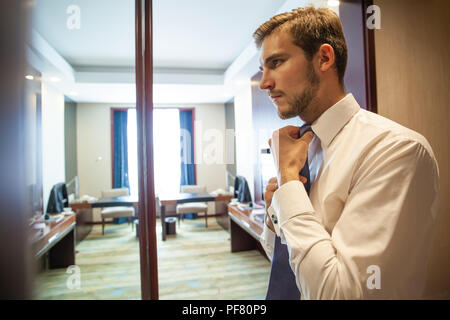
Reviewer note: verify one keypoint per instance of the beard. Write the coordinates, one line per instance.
(300, 102)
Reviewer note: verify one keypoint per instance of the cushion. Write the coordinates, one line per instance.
(192, 207)
(193, 189)
(118, 192)
(117, 212)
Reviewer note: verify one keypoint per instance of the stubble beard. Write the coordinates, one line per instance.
(299, 104)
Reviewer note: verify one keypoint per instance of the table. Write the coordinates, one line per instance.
(186, 198)
(124, 201)
(84, 211)
(245, 229)
(59, 242)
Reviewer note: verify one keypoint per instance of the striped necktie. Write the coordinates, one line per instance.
(282, 285)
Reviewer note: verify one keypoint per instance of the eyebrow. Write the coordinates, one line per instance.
(270, 58)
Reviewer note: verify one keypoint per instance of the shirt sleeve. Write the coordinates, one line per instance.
(379, 246)
(267, 240)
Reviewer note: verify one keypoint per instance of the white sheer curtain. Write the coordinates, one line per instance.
(166, 151)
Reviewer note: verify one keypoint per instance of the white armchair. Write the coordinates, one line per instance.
(116, 212)
(193, 207)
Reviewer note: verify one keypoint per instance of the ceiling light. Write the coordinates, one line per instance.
(55, 79)
(29, 77)
(333, 3)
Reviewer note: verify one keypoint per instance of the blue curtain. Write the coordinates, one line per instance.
(187, 148)
(120, 150)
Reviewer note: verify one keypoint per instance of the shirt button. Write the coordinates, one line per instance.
(274, 219)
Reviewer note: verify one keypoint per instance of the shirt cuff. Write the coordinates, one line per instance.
(289, 201)
(267, 240)
(274, 217)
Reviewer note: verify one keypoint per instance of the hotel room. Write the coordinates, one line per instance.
(147, 163)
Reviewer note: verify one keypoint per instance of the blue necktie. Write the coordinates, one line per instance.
(282, 285)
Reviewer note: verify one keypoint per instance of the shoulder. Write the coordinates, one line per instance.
(384, 132)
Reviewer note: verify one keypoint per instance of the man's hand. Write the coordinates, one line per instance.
(268, 195)
(289, 152)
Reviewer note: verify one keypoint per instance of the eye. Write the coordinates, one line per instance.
(276, 62)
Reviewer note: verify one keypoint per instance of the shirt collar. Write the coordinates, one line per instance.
(328, 125)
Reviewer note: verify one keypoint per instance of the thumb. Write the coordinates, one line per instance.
(307, 137)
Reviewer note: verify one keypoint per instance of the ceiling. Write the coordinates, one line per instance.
(195, 34)
(194, 42)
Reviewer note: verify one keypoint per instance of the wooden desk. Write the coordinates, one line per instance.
(185, 198)
(59, 242)
(125, 201)
(84, 211)
(245, 230)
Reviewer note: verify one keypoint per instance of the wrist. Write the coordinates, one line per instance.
(288, 176)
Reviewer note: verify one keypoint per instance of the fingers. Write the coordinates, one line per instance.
(292, 131)
(273, 180)
(307, 137)
(303, 179)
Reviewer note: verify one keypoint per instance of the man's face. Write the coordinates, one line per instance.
(288, 75)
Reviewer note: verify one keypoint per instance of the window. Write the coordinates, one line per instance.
(166, 149)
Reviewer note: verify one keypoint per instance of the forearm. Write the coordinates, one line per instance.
(320, 274)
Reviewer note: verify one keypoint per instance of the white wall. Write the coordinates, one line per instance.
(94, 150)
(244, 134)
(53, 161)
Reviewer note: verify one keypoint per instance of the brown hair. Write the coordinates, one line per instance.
(310, 28)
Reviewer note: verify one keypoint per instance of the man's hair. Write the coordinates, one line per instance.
(310, 28)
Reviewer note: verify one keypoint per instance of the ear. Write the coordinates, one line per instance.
(326, 57)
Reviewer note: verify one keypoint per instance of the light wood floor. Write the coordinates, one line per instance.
(196, 263)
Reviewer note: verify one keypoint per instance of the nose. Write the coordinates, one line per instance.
(266, 82)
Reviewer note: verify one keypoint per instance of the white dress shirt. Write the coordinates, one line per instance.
(365, 231)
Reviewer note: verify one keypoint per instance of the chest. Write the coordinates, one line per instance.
(332, 172)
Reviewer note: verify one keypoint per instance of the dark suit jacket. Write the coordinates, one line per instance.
(241, 190)
(58, 198)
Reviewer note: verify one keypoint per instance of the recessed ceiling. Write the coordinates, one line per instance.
(194, 44)
(195, 34)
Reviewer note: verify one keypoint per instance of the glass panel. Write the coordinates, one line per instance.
(83, 53)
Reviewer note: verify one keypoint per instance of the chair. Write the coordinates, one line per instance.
(116, 212)
(193, 207)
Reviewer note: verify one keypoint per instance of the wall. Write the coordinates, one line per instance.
(94, 148)
(231, 145)
(70, 139)
(53, 168)
(244, 134)
(412, 69)
(94, 141)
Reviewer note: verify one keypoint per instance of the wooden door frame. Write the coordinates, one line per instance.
(361, 40)
(144, 110)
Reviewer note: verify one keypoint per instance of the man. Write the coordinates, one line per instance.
(364, 231)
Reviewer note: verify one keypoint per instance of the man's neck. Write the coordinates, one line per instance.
(322, 103)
